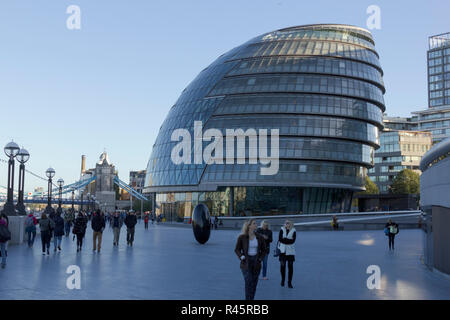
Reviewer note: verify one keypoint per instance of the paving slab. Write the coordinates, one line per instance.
(167, 263)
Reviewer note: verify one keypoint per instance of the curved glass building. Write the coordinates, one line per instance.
(320, 85)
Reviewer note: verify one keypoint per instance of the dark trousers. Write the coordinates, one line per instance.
(391, 241)
(146, 224)
(251, 278)
(45, 238)
(31, 236)
(67, 226)
(80, 237)
(283, 270)
(130, 235)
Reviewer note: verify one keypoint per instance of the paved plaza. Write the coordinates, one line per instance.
(167, 263)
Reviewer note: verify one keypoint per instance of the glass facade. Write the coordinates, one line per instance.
(321, 86)
(439, 70)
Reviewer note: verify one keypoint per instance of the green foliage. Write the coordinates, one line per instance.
(371, 187)
(406, 182)
(146, 205)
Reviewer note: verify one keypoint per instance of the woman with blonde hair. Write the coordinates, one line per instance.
(250, 249)
(286, 240)
(265, 232)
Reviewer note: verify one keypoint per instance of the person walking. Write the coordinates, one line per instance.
(69, 216)
(58, 232)
(146, 221)
(5, 236)
(265, 232)
(46, 226)
(392, 231)
(130, 222)
(30, 229)
(250, 249)
(286, 240)
(98, 225)
(116, 223)
(213, 222)
(79, 229)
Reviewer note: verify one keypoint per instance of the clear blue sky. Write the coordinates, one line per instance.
(64, 93)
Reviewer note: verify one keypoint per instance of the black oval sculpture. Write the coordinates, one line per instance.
(200, 223)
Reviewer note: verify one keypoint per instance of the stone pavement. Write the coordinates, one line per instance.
(167, 263)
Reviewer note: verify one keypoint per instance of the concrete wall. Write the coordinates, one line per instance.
(435, 185)
(441, 238)
(435, 200)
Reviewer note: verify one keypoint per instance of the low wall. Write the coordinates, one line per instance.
(316, 222)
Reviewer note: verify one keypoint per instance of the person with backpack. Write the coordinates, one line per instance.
(130, 222)
(30, 229)
(79, 229)
(116, 223)
(58, 232)
(69, 216)
(98, 225)
(46, 226)
(5, 236)
(286, 240)
(392, 230)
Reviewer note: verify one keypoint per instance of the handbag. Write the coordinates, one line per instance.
(277, 251)
(5, 234)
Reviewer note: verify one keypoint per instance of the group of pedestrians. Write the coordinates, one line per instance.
(56, 227)
(253, 249)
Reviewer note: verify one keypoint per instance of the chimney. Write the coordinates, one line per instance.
(83, 164)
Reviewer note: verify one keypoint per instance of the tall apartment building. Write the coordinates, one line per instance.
(436, 118)
(399, 150)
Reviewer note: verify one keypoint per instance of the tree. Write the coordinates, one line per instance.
(371, 187)
(406, 182)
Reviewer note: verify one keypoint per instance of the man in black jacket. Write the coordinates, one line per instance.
(130, 222)
(98, 225)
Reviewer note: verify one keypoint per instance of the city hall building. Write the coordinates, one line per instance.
(315, 90)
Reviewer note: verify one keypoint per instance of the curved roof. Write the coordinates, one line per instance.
(439, 150)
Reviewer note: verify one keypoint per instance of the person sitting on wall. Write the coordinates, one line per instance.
(334, 223)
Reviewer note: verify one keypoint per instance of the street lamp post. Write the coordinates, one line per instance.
(93, 202)
(22, 157)
(73, 199)
(11, 150)
(50, 173)
(60, 185)
(81, 195)
(88, 196)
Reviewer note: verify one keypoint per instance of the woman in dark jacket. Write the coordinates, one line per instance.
(58, 232)
(250, 249)
(46, 225)
(79, 229)
(265, 232)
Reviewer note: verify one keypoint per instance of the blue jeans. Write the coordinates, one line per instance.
(264, 265)
(31, 236)
(67, 226)
(251, 278)
(3, 251)
(57, 241)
